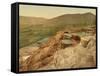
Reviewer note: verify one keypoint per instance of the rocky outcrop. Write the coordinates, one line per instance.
(51, 55)
(42, 56)
(74, 57)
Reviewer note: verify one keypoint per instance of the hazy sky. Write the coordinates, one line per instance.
(49, 11)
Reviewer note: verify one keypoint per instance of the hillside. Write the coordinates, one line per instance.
(26, 21)
(73, 19)
(66, 19)
(33, 29)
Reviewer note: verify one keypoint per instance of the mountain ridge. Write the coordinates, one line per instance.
(65, 19)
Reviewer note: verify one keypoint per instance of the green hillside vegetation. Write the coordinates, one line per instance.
(35, 29)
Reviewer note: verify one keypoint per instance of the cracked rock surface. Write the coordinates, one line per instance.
(52, 56)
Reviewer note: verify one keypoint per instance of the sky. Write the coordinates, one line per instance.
(50, 11)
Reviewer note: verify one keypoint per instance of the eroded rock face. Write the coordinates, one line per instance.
(44, 54)
(52, 56)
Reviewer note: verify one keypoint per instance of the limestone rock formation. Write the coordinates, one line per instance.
(51, 55)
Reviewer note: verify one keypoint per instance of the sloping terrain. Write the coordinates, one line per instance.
(51, 56)
(33, 29)
(24, 20)
(64, 42)
(73, 20)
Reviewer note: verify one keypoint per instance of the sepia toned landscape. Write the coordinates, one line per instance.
(64, 41)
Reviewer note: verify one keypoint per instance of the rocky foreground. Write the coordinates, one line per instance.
(51, 55)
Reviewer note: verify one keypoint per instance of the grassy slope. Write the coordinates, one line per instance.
(31, 32)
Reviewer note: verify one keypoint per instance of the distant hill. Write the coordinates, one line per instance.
(34, 29)
(73, 19)
(62, 20)
(31, 20)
